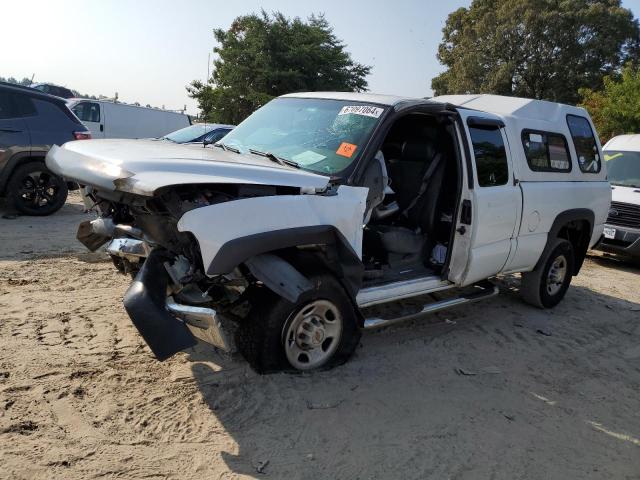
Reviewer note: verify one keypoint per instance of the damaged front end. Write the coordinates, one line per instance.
(171, 300)
(203, 232)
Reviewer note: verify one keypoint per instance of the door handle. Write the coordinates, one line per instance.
(10, 130)
(101, 127)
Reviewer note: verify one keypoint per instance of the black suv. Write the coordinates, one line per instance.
(30, 122)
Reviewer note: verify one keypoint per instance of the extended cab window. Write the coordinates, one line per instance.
(87, 111)
(585, 144)
(490, 155)
(546, 152)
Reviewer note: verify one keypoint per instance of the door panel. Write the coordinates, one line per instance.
(461, 247)
(13, 129)
(496, 200)
(13, 132)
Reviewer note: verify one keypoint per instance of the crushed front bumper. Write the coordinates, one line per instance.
(168, 327)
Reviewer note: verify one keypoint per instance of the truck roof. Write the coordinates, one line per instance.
(624, 143)
(389, 100)
(513, 107)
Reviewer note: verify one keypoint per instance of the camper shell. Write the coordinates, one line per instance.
(279, 239)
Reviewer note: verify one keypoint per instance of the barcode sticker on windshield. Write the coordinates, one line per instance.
(365, 110)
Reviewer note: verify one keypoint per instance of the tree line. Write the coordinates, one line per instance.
(571, 51)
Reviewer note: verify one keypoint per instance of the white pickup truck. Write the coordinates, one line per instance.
(279, 238)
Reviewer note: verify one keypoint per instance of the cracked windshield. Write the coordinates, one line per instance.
(324, 136)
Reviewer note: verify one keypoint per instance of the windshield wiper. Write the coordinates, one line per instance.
(274, 158)
(226, 147)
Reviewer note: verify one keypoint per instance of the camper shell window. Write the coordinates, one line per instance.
(584, 141)
(546, 151)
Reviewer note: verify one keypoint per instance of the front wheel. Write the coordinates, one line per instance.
(546, 285)
(319, 331)
(34, 190)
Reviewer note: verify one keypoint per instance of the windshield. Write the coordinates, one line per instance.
(324, 136)
(188, 134)
(623, 168)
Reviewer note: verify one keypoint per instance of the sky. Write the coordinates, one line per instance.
(149, 50)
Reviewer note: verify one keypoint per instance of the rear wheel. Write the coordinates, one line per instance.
(34, 190)
(319, 331)
(546, 286)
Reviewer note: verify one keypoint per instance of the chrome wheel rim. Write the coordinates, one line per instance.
(313, 335)
(557, 274)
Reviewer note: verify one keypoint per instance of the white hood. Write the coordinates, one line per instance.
(625, 194)
(143, 166)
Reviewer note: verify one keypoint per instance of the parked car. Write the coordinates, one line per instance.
(264, 235)
(108, 119)
(30, 122)
(622, 229)
(62, 92)
(199, 133)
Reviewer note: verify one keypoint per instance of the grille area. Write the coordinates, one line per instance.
(627, 215)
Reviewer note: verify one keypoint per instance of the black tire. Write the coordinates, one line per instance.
(34, 190)
(261, 337)
(538, 287)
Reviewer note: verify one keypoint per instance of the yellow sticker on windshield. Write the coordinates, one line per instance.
(346, 149)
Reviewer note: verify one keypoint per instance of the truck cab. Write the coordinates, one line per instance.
(278, 239)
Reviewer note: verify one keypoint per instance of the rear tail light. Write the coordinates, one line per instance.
(82, 135)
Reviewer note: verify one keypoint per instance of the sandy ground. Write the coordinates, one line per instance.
(494, 390)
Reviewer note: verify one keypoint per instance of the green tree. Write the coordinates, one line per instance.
(616, 108)
(25, 81)
(545, 49)
(262, 56)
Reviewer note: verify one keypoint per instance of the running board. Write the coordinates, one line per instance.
(391, 292)
(486, 290)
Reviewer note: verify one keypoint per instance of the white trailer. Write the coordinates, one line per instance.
(108, 119)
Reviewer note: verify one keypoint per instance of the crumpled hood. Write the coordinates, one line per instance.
(143, 166)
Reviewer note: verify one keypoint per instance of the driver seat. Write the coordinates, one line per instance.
(418, 202)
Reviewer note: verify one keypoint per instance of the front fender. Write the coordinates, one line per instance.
(269, 223)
